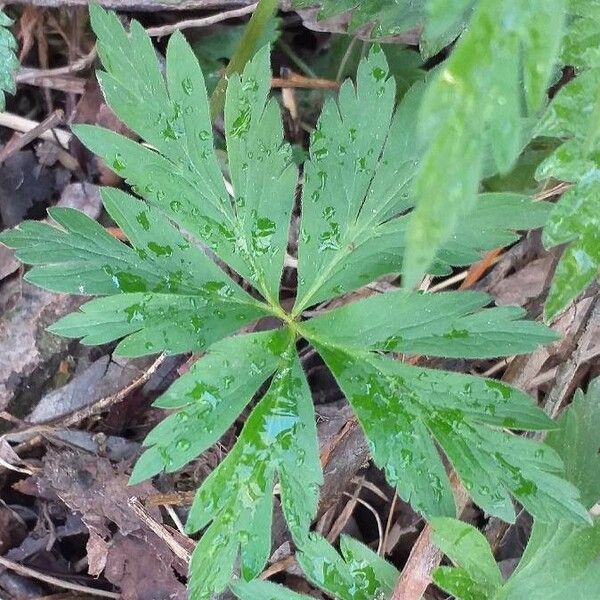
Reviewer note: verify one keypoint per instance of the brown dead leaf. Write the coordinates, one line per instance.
(527, 283)
(135, 559)
(82, 196)
(12, 530)
(97, 489)
(102, 379)
(28, 353)
(97, 552)
(141, 566)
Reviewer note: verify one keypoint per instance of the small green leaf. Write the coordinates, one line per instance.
(469, 550)
(358, 574)
(9, 63)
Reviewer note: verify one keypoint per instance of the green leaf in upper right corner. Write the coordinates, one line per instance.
(575, 220)
(495, 77)
(573, 116)
(9, 62)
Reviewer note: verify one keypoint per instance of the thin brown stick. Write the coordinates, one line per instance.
(554, 191)
(294, 80)
(161, 531)
(201, 22)
(278, 567)
(425, 556)
(27, 572)
(344, 517)
(26, 74)
(14, 145)
(388, 525)
(24, 125)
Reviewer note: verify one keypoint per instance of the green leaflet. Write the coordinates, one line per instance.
(358, 574)
(475, 101)
(82, 258)
(463, 414)
(449, 324)
(153, 322)
(247, 231)
(279, 436)
(476, 575)
(171, 289)
(210, 397)
(9, 62)
(574, 116)
(561, 558)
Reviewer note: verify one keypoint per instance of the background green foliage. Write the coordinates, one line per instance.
(574, 116)
(8, 60)
(561, 559)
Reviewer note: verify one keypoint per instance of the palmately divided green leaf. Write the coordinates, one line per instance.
(172, 287)
(475, 101)
(9, 63)
(573, 116)
(561, 558)
(358, 574)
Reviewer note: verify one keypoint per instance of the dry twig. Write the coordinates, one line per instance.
(27, 572)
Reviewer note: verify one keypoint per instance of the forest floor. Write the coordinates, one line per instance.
(72, 417)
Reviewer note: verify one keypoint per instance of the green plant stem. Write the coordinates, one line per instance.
(296, 59)
(340, 73)
(262, 15)
(594, 131)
